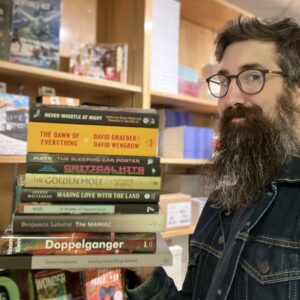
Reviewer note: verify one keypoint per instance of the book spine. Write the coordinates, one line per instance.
(80, 195)
(87, 139)
(49, 208)
(88, 223)
(94, 116)
(86, 261)
(92, 181)
(76, 243)
(71, 158)
(95, 169)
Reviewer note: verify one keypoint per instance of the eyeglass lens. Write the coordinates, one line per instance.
(249, 82)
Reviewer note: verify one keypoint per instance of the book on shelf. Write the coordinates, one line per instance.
(94, 169)
(5, 21)
(35, 33)
(91, 139)
(92, 181)
(161, 257)
(13, 123)
(88, 208)
(104, 61)
(85, 195)
(71, 158)
(92, 164)
(16, 284)
(29, 223)
(103, 284)
(77, 243)
(45, 100)
(56, 284)
(187, 142)
(95, 115)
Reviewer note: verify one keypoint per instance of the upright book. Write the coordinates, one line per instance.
(13, 124)
(35, 33)
(77, 243)
(91, 139)
(103, 61)
(95, 115)
(5, 20)
(101, 284)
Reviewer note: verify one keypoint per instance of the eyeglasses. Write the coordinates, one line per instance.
(250, 82)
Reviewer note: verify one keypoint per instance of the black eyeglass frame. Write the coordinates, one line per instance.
(230, 77)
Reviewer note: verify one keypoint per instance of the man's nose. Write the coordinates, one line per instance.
(234, 95)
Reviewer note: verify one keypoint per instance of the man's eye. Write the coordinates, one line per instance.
(254, 77)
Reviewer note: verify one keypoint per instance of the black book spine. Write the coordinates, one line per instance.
(89, 195)
(94, 116)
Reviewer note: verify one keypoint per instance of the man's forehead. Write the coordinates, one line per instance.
(239, 55)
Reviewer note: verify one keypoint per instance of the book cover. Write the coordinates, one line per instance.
(92, 181)
(35, 33)
(80, 208)
(77, 243)
(13, 124)
(88, 139)
(95, 115)
(161, 257)
(5, 21)
(56, 284)
(85, 195)
(104, 61)
(103, 284)
(22, 223)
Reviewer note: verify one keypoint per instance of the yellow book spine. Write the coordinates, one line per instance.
(92, 181)
(91, 139)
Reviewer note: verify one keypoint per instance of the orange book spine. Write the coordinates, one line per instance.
(91, 139)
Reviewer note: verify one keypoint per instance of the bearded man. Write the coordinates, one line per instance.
(247, 242)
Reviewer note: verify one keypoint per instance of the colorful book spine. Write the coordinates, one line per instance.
(103, 284)
(95, 169)
(50, 208)
(86, 195)
(92, 181)
(77, 243)
(95, 115)
(22, 223)
(87, 139)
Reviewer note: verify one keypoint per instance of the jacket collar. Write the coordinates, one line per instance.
(291, 172)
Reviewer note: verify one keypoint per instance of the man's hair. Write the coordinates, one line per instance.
(285, 33)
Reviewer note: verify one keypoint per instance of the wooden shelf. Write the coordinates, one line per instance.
(178, 232)
(181, 161)
(205, 106)
(68, 80)
(12, 159)
(210, 14)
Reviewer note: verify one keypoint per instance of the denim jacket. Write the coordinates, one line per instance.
(250, 256)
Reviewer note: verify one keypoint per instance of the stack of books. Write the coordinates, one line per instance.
(91, 186)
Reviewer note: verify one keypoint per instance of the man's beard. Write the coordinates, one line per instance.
(251, 153)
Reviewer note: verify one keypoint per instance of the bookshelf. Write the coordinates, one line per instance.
(104, 21)
(178, 232)
(200, 105)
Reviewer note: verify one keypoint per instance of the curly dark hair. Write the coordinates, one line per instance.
(285, 33)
